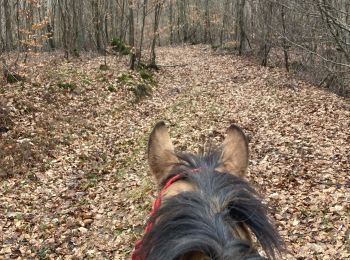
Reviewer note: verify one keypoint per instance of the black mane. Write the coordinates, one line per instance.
(202, 220)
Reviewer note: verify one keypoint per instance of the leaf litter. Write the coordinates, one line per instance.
(75, 181)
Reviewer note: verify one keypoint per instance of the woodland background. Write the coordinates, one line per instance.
(309, 37)
(83, 82)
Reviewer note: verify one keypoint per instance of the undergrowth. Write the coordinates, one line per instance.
(140, 82)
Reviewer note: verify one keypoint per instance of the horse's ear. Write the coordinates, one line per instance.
(161, 155)
(235, 152)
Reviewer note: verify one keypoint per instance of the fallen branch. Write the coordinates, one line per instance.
(175, 65)
(9, 77)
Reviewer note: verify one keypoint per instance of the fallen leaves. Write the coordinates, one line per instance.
(79, 185)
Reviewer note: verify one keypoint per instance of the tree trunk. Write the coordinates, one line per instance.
(155, 34)
(18, 25)
(171, 25)
(284, 42)
(51, 13)
(207, 34)
(64, 32)
(144, 10)
(242, 39)
(224, 21)
(75, 29)
(81, 30)
(97, 24)
(182, 22)
(131, 35)
(8, 26)
(266, 45)
(121, 24)
(2, 44)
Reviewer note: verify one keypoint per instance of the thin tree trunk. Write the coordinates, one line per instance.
(8, 25)
(284, 42)
(241, 24)
(97, 24)
(106, 37)
(144, 10)
(157, 12)
(224, 21)
(2, 47)
(122, 17)
(51, 25)
(106, 41)
(207, 34)
(131, 35)
(76, 30)
(266, 47)
(64, 33)
(178, 24)
(171, 25)
(18, 25)
(183, 19)
(80, 20)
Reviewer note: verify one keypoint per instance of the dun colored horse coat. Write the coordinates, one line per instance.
(205, 210)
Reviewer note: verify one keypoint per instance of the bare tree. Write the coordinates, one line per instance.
(207, 34)
(273, 30)
(171, 21)
(144, 14)
(2, 43)
(157, 11)
(131, 35)
(8, 25)
(240, 27)
(284, 42)
(224, 20)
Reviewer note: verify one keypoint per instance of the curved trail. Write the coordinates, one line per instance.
(92, 200)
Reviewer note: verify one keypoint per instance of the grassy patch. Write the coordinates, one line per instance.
(86, 82)
(146, 75)
(102, 78)
(42, 253)
(92, 180)
(13, 78)
(141, 91)
(83, 202)
(111, 88)
(125, 77)
(119, 175)
(139, 192)
(104, 67)
(66, 85)
(140, 82)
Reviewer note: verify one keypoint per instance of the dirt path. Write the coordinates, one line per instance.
(92, 196)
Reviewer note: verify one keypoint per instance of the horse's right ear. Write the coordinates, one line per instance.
(161, 155)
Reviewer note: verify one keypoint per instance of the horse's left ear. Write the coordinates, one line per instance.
(235, 152)
(161, 155)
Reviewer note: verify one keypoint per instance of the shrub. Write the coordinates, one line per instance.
(119, 46)
(13, 78)
(111, 88)
(104, 67)
(125, 77)
(141, 91)
(145, 75)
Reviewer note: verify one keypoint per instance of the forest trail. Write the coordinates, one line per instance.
(92, 194)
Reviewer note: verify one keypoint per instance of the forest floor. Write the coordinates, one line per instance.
(74, 176)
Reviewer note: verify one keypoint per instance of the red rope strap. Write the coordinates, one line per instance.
(156, 205)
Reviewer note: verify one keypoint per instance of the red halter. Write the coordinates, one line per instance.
(156, 205)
